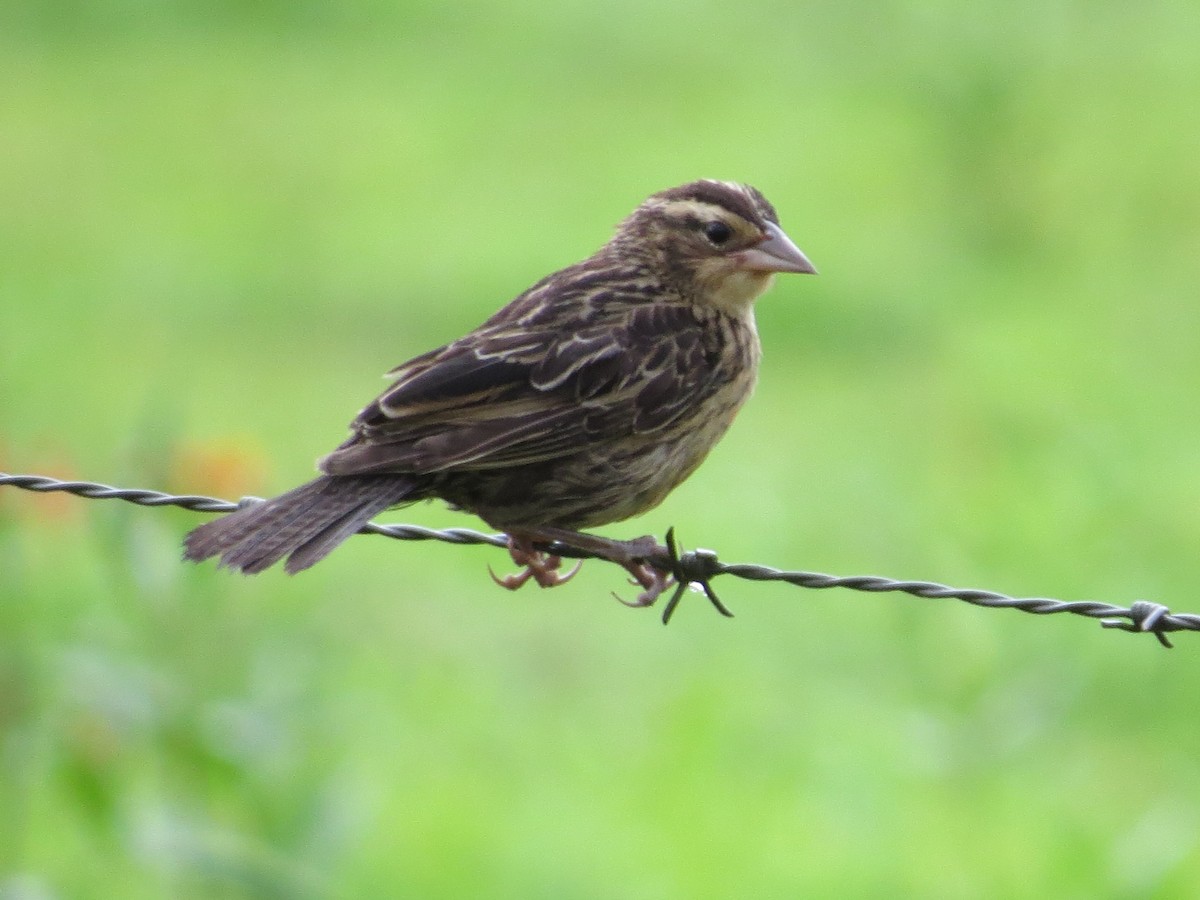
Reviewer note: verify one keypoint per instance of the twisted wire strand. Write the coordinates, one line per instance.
(694, 568)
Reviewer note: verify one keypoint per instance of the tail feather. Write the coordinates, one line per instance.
(306, 522)
(321, 544)
(291, 520)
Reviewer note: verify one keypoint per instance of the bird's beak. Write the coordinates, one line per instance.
(775, 253)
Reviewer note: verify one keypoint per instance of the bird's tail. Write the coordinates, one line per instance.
(304, 524)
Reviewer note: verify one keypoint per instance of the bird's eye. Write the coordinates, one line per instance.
(718, 232)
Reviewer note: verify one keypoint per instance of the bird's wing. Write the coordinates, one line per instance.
(506, 395)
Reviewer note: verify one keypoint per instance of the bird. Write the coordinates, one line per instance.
(583, 402)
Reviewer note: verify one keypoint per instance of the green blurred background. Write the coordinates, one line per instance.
(219, 222)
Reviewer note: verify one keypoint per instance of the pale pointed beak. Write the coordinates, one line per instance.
(775, 253)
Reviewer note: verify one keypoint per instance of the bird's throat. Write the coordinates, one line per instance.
(735, 292)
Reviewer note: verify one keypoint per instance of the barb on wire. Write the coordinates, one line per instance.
(695, 568)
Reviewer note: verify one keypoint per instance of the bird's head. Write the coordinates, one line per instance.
(719, 241)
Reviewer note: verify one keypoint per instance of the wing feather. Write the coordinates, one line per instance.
(509, 394)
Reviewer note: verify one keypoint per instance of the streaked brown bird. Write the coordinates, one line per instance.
(584, 401)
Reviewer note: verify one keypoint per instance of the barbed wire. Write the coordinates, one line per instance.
(694, 568)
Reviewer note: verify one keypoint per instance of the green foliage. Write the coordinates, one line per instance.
(221, 220)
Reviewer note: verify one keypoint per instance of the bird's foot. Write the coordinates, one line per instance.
(652, 581)
(631, 555)
(655, 568)
(541, 567)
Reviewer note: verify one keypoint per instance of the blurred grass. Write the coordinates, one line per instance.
(221, 220)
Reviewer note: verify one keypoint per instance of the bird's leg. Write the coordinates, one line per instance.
(629, 555)
(541, 567)
(611, 549)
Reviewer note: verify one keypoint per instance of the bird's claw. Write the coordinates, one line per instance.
(510, 582)
(688, 570)
(541, 567)
(652, 581)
